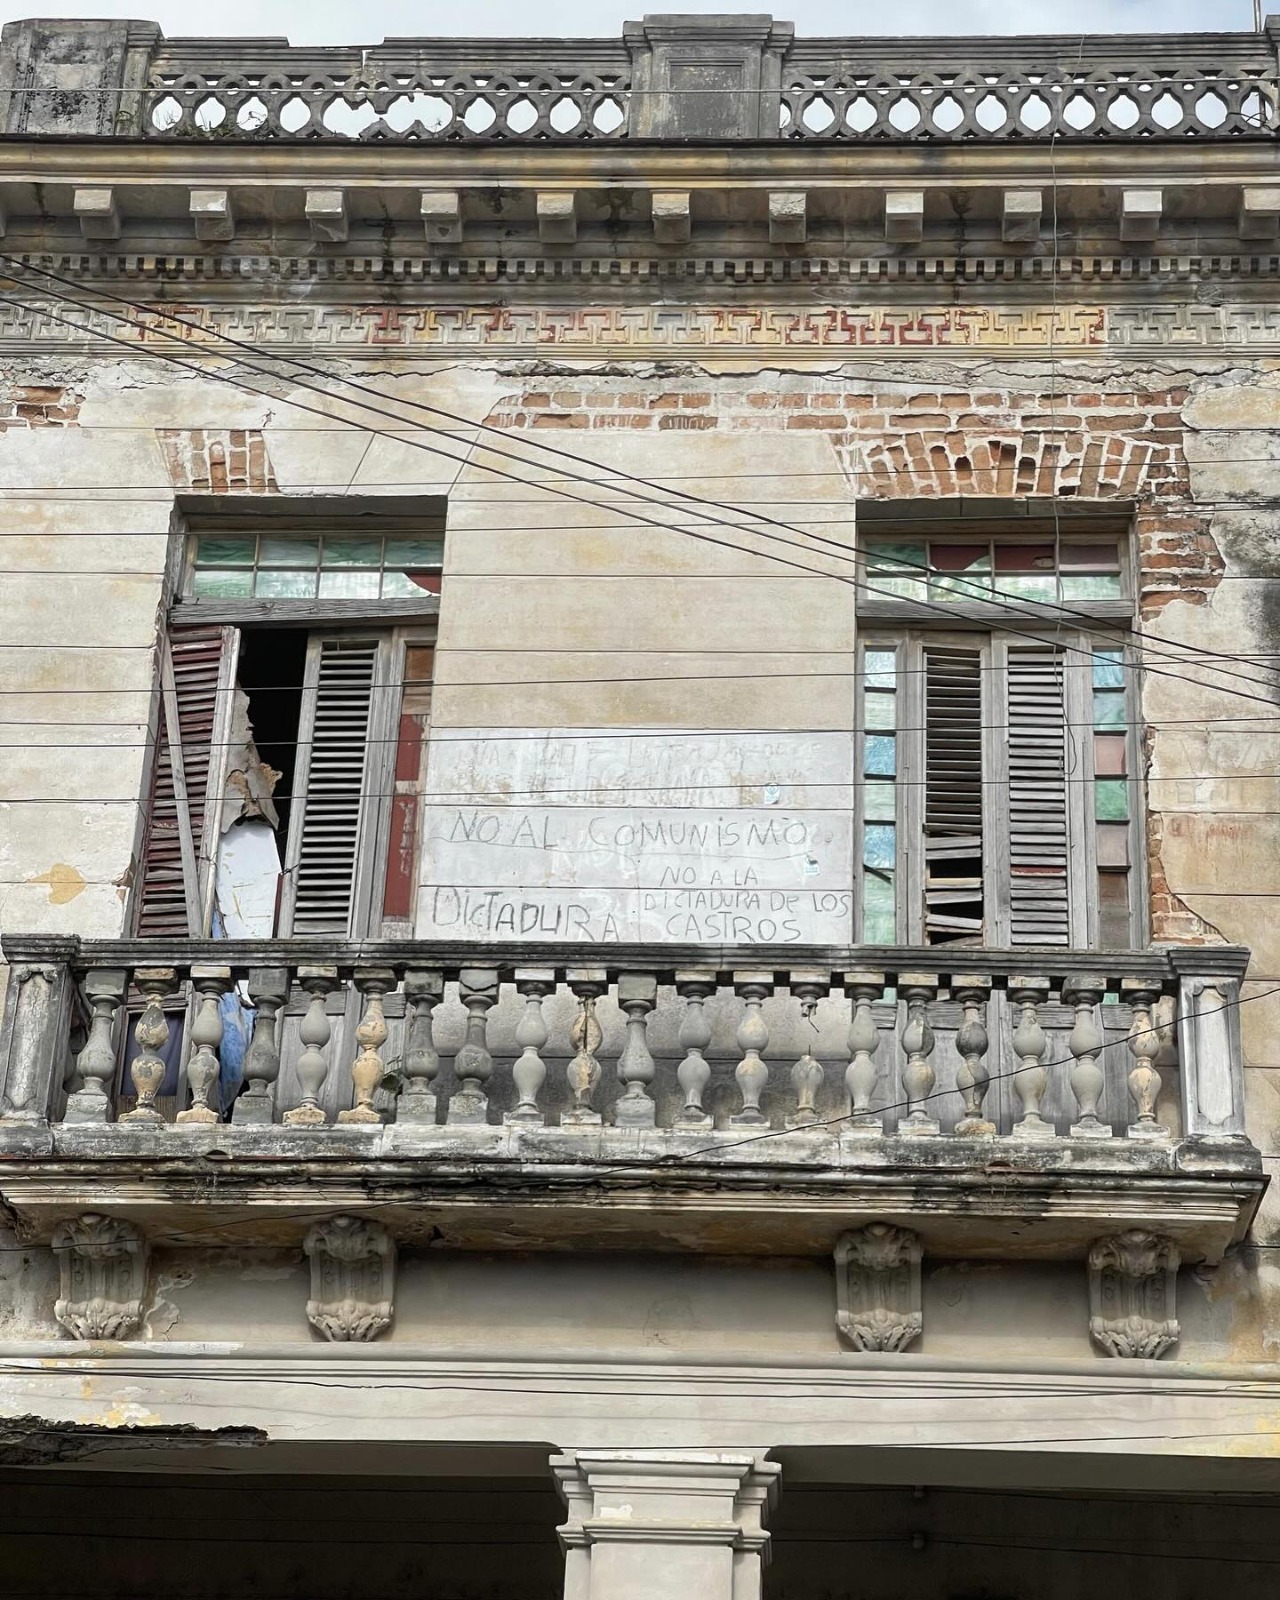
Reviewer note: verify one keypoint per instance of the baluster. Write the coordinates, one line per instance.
(1030, 1045)
(1145, 1082)
(807, 1074)
(637, 996)
(694, 986)
(973, 1076)
(530, 1071)
(752, 1072)
(473, 1065)
(368, 1070)
(862, 1076)
(104, 989)
(210, 983)
(152, 1033)
(315, 1033)
(917, 990)
(583, 1072)
(1085, 1042)
(423, 992)
(269, 991)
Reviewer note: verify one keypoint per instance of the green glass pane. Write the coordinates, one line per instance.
(1103, 586)
(226, 585)
(349, 585)
(896, 588)
(953, 587)
(288, 552)
(1026, 586)
(224, 553)
(352, 553)
(879, 913)
(286, 586)
(1108, 708)
(415, 553)
(881, 709)
(879, 845)
(1108, 669)
(1111, 799)
(399, 586)
(884, 557)
(880, 801)
(880, 755)
(880, 669)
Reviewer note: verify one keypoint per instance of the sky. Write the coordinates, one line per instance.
(340, 22)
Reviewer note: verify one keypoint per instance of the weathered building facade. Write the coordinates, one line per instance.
(639, 815)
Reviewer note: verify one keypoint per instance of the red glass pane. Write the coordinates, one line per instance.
(1024, 558)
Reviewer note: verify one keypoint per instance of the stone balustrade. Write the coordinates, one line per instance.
(718, 77)
(1138, 1047)
(753, 1098)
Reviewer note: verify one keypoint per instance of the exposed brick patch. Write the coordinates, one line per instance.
(219, 460)
(1178, 559)
(39, 405)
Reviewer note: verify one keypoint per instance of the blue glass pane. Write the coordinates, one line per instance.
(878, 844)
(1108, 708)
(880, 755)
(1108, 669)
(879, 914)
(880, 669)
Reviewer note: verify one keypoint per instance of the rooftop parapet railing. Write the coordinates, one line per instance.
(667, 78)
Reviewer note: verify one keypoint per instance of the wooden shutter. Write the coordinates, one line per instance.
(202, 660)
(331, 784)
(1039, 898)
(954, 904)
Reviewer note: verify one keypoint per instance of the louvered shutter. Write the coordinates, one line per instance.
(954, 902)
(332, 799)
(198, 656)
(1039, 899)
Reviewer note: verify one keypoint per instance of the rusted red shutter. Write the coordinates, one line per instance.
(197, 655)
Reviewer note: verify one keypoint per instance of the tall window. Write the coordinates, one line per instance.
(294, 698)
(998, 800)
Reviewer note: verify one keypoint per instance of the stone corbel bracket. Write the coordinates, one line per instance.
(103, 1264)
(353, 1277)
(878, 1303)
(1133, 1282)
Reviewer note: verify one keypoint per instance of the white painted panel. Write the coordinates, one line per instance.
(598, 835)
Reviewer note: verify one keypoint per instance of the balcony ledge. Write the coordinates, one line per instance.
(555, 1188)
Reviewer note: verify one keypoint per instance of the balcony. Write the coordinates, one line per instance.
(752, 1100)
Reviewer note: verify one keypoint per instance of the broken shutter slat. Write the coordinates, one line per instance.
(164, 907)
(331, 801)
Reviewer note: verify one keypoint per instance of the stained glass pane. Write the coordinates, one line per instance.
(1113, 844)
(880, 755)
(1023, 558)
(879, 801)
(1110, 756)
(879, 846)
(225, 585)
(879, 915)
(1108, 669)
(881, 709)
(880, 669)
(884, 557)
(288, 552)
(349, 585)
(1114, 923)
(960, 557)
(1101, 586)
(352, 553)
(286, 586)
(1111, 799)
(1089, 558)
(1108, 708)
(225, 552)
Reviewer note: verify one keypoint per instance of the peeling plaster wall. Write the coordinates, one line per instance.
(555, 618)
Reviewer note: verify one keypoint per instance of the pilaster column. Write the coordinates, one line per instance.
(652, 1524)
